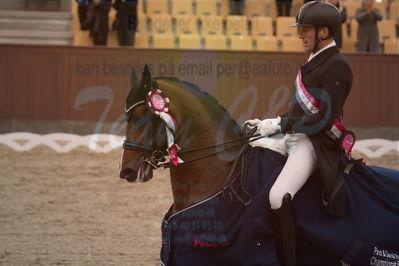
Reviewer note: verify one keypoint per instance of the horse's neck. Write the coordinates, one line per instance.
(198, 180)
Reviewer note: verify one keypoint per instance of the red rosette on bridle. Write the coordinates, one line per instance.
(347, 141)
(157, 102)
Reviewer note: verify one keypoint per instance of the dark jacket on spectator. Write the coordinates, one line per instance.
(97, 21)
(367, 33)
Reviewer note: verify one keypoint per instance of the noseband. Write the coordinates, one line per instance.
(154, 157)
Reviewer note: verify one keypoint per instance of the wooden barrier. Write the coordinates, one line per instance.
(91, 83)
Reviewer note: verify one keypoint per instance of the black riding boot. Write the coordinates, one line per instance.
(285, 221)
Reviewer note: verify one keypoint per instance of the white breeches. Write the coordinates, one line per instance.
(300, 164)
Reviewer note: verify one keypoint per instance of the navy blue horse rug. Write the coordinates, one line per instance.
(219, 231)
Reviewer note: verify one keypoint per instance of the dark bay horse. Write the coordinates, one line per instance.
(221, 213)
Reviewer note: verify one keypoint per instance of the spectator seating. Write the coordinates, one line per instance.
(215, 42)
(236, 25)
(163, 40)
(186, 24)
(190, 41)
(141, 40)
(266, 43)
(182, 7)
(240, 42)
(351, 7)
(387, 30)
(211, 25)
(157, 7)
(354, 25)
(206, 7)
(196, 24)
(255, 8)
(261, 26)
(283, 29)
(291, 44)
(391, 46)
(161, 23)
(224, 8)
(142, 25)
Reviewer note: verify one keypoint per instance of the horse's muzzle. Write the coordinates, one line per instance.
(142, 174)
(129, 174)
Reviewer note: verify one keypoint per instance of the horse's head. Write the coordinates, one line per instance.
(164, 114)
(145, 140)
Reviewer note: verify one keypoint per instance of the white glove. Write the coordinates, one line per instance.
(269, 126)
(250, 124)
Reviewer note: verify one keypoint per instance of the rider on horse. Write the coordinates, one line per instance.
(312, 128)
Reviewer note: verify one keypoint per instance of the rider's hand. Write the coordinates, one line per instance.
(249, 125)
(269, 126)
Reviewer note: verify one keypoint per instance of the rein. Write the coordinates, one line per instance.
(156, 155)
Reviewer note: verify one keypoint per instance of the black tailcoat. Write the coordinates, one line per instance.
(328, 77)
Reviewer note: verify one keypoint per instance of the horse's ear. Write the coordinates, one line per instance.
(145, 82)
(133, 79)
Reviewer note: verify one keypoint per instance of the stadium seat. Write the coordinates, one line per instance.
(255, 8)
(351, 7)
(382, 6)
(211, 25)
(391, 46)
(224, 8)
(140, 7)
(236, 25)
(206, 7)
(344, 30)
(163, 40)
(291, 44)
(240, 42)
(216, 42)
(394, 11)
(296, 5)
(141, 40)
(261, 26)
(267, 43)
(271, 9)
(189, 41)
(186, 24)
(157, 7)
(142, 25)
(182, 7)
(282, 29)
(353, 30)
(387, 30)
(348, 46)
(161, 23)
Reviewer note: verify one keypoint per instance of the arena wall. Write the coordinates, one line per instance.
(86, 86)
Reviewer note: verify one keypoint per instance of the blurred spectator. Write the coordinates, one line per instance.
(125, 21)
(283, 7)
(367, 33)
(83, 6)
(237, 7)
(97, 21)
(344, 16)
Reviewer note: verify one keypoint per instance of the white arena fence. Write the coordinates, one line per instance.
(104, 143)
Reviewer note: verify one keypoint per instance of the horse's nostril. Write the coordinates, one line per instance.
(129, 174)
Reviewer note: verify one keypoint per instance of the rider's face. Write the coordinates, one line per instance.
(307, 35)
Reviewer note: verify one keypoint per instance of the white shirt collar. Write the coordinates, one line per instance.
(331, 44)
